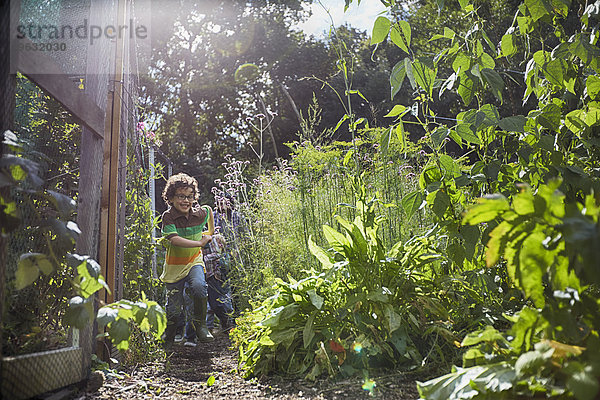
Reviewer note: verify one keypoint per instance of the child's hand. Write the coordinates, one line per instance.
(205, 240)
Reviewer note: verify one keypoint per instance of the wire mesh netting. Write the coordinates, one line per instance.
(51, 137)
(47, 355)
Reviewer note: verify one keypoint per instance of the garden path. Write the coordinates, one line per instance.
(184, 375)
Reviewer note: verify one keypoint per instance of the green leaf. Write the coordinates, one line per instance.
(574, 121)
(90, 279)
(412, 202)
(336, 240)
(534, 261)
(266, 341)
(466, 88)
(508, 45)
(396, 110)
(561, 7)
(554, 73)
(464, 4)
(592, 85)
(448, 34)
(79, 313)
(409, 72)
(397, 77)
(550, 117)
(379, 294)
(448, 165)
(584, 383)
(592, 117)
(106, 315)
(487, 61)
(514, 123)
(462, 62)
(497, 242)
(587, 52)
(64, 204)
(526, 25)
(486, 209)
(400, 135)
(529, 363)
(538, 8)
(17, 172)
(340, 122)
(524, 203)
(441, 202)
(424, 74)
(393, 320)
(384, 141)
(471, 235)
(439, 135)
(308, 333)
(210, 381)
(118, 331)
(381, 27)
(28, 269)
(489, 335)
(467, 134)
(315, 299)
(157, 318)
(494, 80)
(401, 35)
(491, 378)
(448, 84)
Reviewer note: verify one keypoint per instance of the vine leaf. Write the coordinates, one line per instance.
(381, 27)
(401, 35)
(412, 202)
(486, 209)
(397, 77)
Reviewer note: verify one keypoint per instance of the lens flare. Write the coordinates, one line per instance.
(369, 386)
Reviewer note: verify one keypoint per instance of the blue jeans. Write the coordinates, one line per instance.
(196, 286)
(219, 298)
(219, 303)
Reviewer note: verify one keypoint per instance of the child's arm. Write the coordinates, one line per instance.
(211, 222)
(187, 243)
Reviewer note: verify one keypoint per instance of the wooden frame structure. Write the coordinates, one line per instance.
(99, 112)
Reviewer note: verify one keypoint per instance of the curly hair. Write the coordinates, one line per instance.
(179, 181)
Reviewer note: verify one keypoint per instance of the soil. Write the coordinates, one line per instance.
(186, 373)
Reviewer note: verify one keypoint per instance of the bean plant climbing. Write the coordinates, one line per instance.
(503, 277)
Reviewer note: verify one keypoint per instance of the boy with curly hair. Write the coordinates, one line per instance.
(186, 228)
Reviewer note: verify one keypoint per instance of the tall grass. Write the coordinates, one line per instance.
(292, 201)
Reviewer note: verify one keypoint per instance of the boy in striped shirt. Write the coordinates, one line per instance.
(187, 228)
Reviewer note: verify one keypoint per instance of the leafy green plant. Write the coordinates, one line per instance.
(525, 244)
(550, 251)
(140, 274)
(365, 307)
(20, 175)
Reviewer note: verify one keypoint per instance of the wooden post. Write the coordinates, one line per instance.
(110, 173)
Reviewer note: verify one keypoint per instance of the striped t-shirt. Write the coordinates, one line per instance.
(179, 260)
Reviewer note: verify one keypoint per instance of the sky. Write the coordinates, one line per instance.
(359, 16)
